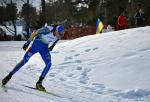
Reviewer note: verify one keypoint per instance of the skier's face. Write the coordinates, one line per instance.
(58, 35)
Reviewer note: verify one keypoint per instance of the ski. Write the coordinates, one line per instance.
(2, 88)
(49, 93)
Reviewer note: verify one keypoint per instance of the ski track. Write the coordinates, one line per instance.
(74, 92)
(70, 91)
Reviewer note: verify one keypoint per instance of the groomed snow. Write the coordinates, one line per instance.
(111, 67)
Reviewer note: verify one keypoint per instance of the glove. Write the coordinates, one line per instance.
(25, 46)
(51, 47)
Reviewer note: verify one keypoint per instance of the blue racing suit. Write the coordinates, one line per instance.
(42, 38)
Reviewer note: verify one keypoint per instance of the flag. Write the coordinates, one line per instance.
(99, 26)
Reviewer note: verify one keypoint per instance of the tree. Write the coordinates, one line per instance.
(8, 13)
(53, 11)
(12, 15)
(2, 14)
(43, 13)
(29, 17)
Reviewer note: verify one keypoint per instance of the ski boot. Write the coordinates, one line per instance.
(39, 85)
(6, 79)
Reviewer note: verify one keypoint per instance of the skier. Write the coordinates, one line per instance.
(40, 41)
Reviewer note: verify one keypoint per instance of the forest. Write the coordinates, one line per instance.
(79, 13)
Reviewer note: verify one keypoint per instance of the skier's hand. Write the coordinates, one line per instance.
(25, 46)
(50, 48)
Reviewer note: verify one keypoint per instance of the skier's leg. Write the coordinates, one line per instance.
(22, 62)
(26, 57)
(47, 59)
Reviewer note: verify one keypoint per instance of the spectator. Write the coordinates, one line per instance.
(110, 28)
(122, 21)
(139, 18)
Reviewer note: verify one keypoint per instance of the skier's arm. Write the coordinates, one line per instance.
(34, 33)
(52, 46)
(25, 46)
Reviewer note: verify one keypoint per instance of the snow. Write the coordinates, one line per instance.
(18, 28)
(110, 67)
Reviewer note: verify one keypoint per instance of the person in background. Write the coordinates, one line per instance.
(110, 28)
(122, 22)
(139, 18)
(41, 39)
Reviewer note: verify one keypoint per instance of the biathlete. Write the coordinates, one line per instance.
(40, 39)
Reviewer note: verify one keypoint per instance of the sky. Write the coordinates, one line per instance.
(109, 67)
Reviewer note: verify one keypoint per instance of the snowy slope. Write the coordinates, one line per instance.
(112, 67)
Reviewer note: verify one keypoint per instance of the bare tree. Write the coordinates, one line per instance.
(11, 16)
(43, 12)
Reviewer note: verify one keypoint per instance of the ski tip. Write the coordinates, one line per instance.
(1, 83)
(2, 88)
